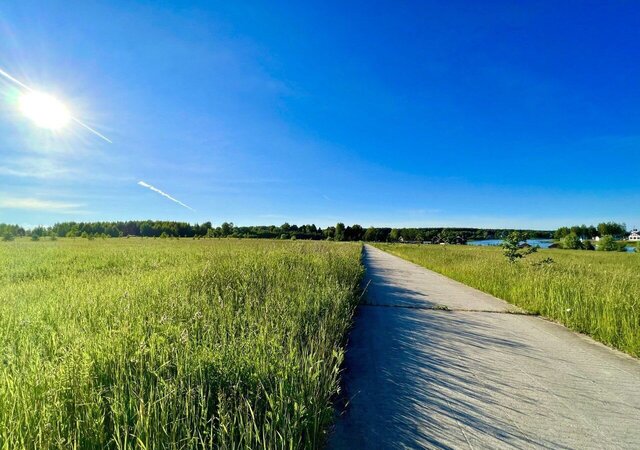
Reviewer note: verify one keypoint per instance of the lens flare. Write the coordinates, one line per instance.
(44, 110)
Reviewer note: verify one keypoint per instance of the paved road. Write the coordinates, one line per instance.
(480, 375)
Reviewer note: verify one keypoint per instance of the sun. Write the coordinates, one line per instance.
(44, 110)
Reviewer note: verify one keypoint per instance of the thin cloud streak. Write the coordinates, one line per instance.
(36, 204)
(76, 120)
(164, 194)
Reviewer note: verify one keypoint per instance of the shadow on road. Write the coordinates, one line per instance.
(412, 377)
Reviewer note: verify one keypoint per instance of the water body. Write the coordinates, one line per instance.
(543, 243)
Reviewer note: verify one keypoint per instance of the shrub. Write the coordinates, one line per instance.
(35, 237)
(609, 244)
(571, 242)
(6, 237)
(512, 248)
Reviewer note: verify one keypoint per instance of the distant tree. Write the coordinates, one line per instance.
(7, 236)
(35, 237)
(39, 231)
(353, 233)
(339, 233)
(226, 229)
(394, 235)
(370, 235)
(329, 233)
(447, 236)
(617, 230)
(561, 233)
(409, 234)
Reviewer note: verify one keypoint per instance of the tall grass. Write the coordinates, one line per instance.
(596, 293)
(167, 344)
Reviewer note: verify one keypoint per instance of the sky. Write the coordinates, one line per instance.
(398, 113)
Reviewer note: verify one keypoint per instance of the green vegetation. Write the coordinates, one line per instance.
(617, 230)
(167, 344)
(609, 244)
(571, 242)
(150, 228)
(590, 292)
(514, 249)
(578, 237)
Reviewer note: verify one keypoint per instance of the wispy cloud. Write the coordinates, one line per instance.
(35, 168)
(164, 194)
(36, 204)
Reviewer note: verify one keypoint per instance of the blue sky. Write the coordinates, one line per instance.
(502, 114)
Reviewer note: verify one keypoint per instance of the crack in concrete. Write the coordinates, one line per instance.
(447, 309)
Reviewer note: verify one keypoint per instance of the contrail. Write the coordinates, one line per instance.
(78, 121)
(164, 194)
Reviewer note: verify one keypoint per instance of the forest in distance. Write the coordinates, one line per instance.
(339, 232)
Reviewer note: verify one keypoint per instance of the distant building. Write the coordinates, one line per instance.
(634, 236)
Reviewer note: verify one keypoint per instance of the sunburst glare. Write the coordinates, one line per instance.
(44, 110)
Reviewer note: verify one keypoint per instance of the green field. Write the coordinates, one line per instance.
(132, 343)
(597, 293)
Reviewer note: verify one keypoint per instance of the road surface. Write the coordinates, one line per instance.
(478, 375)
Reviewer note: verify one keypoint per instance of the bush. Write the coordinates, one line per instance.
(512, 248)
(35, 237)
(8, 237)
(609, 244)
(571, 242)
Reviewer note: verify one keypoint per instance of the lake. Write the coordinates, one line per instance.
(543, 243)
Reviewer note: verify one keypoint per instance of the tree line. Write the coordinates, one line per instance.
(339, 232)
(579, 237)
(617, 230)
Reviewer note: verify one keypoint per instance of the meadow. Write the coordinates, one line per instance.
(597, 293)
(172, 344)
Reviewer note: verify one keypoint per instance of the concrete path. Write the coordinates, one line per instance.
(477, 375)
